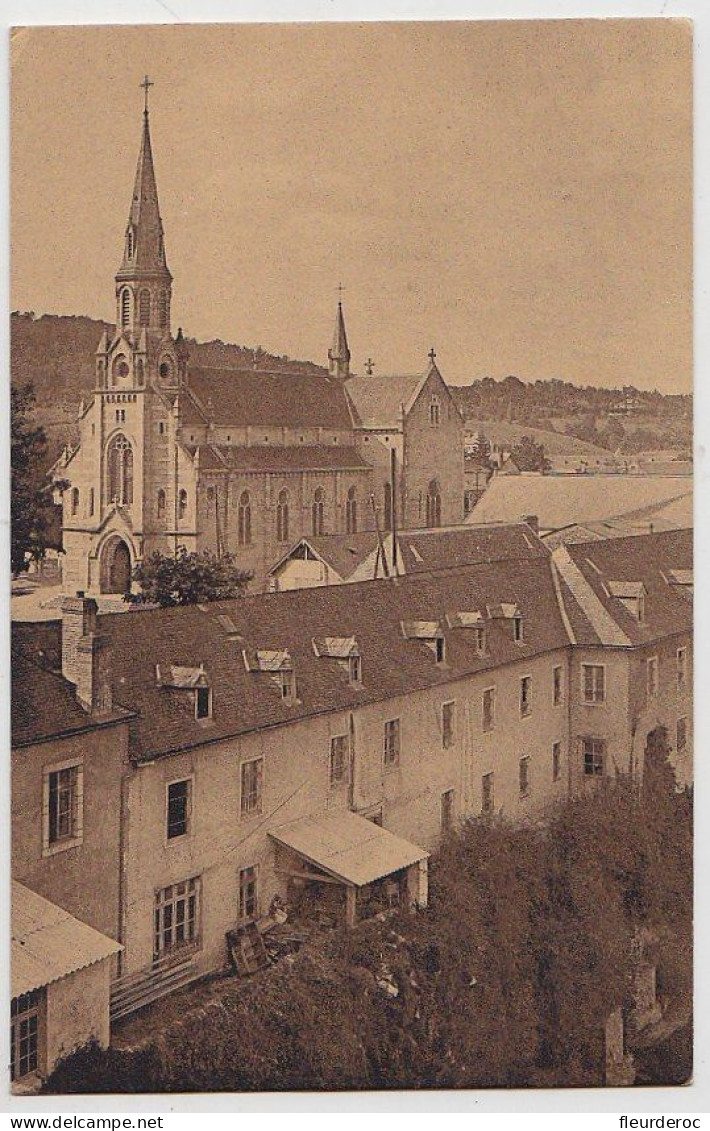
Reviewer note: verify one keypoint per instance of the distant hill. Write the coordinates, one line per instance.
(558, 445)
(55, 354)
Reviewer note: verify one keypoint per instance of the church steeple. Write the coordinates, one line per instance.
(143, 281)
(339, 355)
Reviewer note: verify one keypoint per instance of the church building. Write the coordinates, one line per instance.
(244, 461)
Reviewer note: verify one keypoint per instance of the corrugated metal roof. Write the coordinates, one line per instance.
(349, 847)
(48, 943)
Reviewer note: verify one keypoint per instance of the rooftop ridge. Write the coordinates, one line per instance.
(601, 621)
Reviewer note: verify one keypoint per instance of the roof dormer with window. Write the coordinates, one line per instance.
(475, 623)
(632, 595)
(193, 681)
(344, 650)
(278, 665)
(430, 632)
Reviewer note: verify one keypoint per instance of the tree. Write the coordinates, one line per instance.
(529, 456)
(31, 500)
(187, 579)
(481, 450)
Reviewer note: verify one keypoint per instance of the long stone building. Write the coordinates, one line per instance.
(247, 461)
(196, 769)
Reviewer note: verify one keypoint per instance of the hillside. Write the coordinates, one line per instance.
(55, 354)
(558, 445)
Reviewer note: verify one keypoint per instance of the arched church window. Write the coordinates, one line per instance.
(435, 412)
(282, 516)
(120, 471)
(182, 503)
(388, 505)
(120, 368)
(163, 310)
(244, 519)
(144, 307)
(125, 306)
(318, 511)
(351, 511)
(161, 503)
(433, 504)
(140, 371)
(166, 370)
(75, 500)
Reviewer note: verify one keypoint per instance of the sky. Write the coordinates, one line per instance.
(516, 194)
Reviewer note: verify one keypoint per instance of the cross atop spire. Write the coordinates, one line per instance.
(146, 84)
(432, 355)
(340, 288)
(369, 366)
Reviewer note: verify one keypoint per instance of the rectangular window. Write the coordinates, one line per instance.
(440, 649)
(448, 725)
(251, 786)
(338, 759)
(524, 776)
(681, 735)
(489, 708)
(556, 686)
(355, 669)
(682, 668)
(525, 695)
(593, 683)
(447, 810)
(480, 640)
(63, 806)
(517, 629)
(652, 677)
(487, 793)
(203, 703)
(248, 893)
(176, 917)
(178, 808)
(392, 742)
(556, 760)
(24, 1034)
(593, 757)
(287, 684)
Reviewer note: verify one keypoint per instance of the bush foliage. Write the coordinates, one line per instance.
(187, 579)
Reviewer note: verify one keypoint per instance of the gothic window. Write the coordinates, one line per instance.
(125, 306)
(120, 471)
(351, 511)
(388, 506)
(433, 504)
(318, 511)
(140, 371)
(282, 516)
(144, 307)
(244, 519)
(163, 310)
(182, 503)
(75, 500)
(434, 412)
(120, 368)
(166, 370)
(161, 503)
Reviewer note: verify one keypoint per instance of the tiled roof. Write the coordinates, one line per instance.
(646, 558)
(48, 943)
(43, 704)
(379, 400)
(424, 550)
(564, 500)
(261, 399)
(275, 458)
(372, 612)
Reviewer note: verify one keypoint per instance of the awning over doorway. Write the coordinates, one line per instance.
(349, 847)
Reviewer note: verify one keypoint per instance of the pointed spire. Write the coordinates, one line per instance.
(144, 250)
(339, 355)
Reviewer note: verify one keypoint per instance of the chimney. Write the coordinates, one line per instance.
(532, 521)
(86, 655)
(78, 619)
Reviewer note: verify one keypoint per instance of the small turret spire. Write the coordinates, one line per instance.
(339, 355)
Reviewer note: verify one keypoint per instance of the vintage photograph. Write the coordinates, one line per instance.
(352, 556)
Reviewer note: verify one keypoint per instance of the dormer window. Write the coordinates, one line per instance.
(203, 703)
(517, 628)
(632, 595)
(440, 649)
(277, 663)
(475, 621)
(430, 633)
(344, 649)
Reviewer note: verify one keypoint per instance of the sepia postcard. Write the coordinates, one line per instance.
(352, 556)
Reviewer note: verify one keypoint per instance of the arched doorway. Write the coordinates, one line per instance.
(115, 567)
